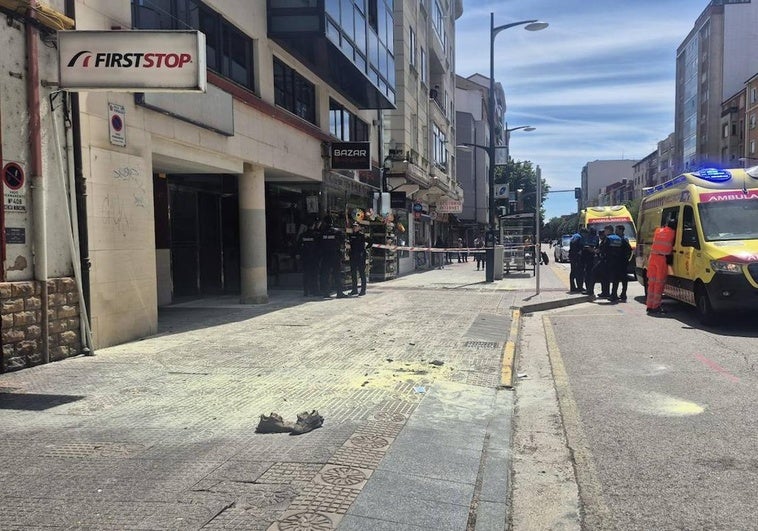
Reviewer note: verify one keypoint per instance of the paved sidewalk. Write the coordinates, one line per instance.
(160, 433)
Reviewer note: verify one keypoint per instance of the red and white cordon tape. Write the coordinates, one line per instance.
(444, 249)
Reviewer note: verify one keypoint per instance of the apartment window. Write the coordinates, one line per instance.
(753, 95)
(752, 121)
(752, 147)
(229, 52)
(345, 125)
(438, 22)
(293, 92)
(422, 64)
(412, 48)
(439, 146)
(726, 131)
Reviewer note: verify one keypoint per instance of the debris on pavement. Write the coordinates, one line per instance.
(307, 422)
(273, 423)
(419, 389)
(437, 363)
(522, 375)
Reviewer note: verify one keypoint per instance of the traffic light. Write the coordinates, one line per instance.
(577, 193)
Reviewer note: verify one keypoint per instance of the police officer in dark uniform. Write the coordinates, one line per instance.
(309, 254)
(357, 242)
(587, 260)
(576, 278)
(332, 243)
(621, 276)
(613, 256)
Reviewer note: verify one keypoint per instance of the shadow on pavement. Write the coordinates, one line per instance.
(34, 402)
(203, 313)
(737, 325)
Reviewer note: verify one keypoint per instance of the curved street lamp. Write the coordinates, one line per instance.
(529, 25)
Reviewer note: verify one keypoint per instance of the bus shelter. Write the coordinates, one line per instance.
(518, 240)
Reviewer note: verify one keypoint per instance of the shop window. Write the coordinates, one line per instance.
(153, 14)
(345, 125)
(293, 92)
(229, 52)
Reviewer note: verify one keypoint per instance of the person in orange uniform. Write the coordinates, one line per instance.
(657, 267)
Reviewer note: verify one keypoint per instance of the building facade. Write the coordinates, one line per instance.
(666, 159)
(645, 172)
(712, 64)
(205, 194)
(472, 101)
(732, 136)
(41, 301)
(201, 194)
(598, 174)
(419, 132)
(749, 130)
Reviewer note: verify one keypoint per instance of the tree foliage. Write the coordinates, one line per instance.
(559, 226)
(521, 175)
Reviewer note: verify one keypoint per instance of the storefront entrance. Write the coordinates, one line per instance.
(204, 228)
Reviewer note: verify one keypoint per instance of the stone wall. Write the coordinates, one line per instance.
(21, 311)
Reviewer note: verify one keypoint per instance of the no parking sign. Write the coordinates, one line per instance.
(117, 124)
(13, 182)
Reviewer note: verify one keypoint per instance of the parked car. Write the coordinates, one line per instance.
(561, 249)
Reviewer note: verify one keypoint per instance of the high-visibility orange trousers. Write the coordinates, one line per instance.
(657, 273)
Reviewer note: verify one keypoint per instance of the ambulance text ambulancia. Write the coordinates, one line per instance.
(715, 258)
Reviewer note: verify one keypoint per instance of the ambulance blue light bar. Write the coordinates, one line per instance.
(713, 175)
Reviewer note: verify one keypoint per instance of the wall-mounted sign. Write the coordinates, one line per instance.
(117, 124)
(13, 176)
(15, 235)
(132, 60)
(15, 201)
(351, 155)
(501, 191)
(450, 207)
(13, 181)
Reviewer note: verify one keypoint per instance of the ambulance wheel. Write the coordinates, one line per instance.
(705, 312)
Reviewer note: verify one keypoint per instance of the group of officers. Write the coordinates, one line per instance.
(322, 247)
(600, 257)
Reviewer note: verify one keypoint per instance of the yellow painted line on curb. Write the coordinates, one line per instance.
(562, 274)
(584, 465)
(509, 351)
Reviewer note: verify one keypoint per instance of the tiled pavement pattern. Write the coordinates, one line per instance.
(159, 433)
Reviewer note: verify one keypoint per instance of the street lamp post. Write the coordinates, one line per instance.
(530, 25)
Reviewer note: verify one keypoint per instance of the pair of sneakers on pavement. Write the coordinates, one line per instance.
(274, 423)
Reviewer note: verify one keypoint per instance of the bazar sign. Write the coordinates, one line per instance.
(351, 155)
(450, 207)
(132, 60)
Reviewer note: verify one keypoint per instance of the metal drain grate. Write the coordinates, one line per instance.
(480, 344)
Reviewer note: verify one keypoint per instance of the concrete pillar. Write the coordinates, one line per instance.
(252, 205)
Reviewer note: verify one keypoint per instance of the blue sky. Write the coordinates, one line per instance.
(597, 84)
